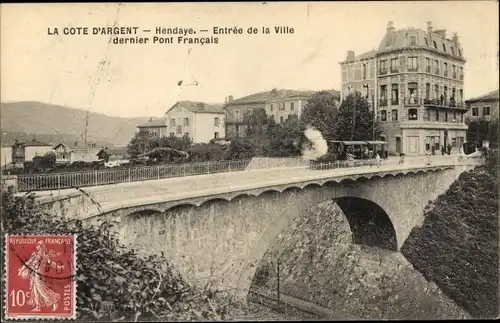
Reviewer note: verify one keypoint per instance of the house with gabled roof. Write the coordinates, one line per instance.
(278, 103)
(202, 122)
(155, 127)
(483, 106)
(63, 153)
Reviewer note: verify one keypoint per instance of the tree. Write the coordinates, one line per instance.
(140, 144)
(286, 139)
(483, 129)
(321, 112)
(240, 148)
(257, 121)
(355, 120)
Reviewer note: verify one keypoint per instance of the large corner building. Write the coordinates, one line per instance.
(414, 81)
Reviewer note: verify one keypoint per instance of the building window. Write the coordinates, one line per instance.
(413, 40)
(394, 65)
(383, 115)
(446, 116)
(435, 44)
(172, 122)
(452, 50)
(179, 130)
(436, 67)
(412, 91)
(364, 71)
(281, 119)
(271, 108)
(383, 91)
(453, 71)
(216, 122)
(454, 116)
(427, 65)
(237, 115)
(186, 121)
(292, 106)
(486, 111)
(428, 118)
(412, 114)
(412, 64)
(461, 95)
(459, 52)
(394, 94)
(216, 135)
(281, 106)
(436, 91)
(444, 47)
(394, 115)
(237, 130)
(382, 67)
(461, 117)
(461, 69)
(445, 69)
(426, 42)
(437, 115)
(427, 90)
(475, 112)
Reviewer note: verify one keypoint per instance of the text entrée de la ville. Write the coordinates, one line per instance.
(168, 35)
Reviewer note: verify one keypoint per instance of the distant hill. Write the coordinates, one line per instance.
(50, 122)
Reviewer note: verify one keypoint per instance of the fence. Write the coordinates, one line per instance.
(133, 174)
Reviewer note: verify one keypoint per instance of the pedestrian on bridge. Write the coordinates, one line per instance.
(378, 160)
(401, 158)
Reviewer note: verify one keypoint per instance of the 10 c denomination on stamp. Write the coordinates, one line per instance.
(40, 277)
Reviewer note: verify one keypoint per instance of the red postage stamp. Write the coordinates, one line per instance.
(40, 277)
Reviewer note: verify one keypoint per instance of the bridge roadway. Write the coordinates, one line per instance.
(122, 195)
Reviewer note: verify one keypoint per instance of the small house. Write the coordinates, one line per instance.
(87, 155)
(63, 153)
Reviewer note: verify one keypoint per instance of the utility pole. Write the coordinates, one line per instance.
(85, 130)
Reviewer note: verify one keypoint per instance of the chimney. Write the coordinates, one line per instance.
(350, 55)
(230, 99)
(429, 26)
(441, 33)
(390, 27)
(455, 38)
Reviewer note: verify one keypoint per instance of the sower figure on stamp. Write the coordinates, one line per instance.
(33, 269)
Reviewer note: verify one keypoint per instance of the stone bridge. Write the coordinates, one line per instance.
(219, 235)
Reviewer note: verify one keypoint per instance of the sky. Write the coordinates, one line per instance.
(129, 80)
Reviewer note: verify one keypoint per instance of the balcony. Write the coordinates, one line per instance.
(428, 69)
(382, 71)
(382, 102)
(454, 75)
(445, 104)
(413, 101)
(445, 73)
(412, 68)
(437, 71)
(395, 101)
(394, 70)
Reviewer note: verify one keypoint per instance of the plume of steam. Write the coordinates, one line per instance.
(317, 147)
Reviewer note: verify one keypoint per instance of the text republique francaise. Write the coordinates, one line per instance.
(162, 35)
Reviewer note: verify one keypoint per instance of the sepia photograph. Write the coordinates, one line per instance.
(250, 161)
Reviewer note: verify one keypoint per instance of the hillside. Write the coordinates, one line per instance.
(37, 118)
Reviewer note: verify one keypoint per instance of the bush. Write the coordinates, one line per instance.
(147, 288)
(457, 246)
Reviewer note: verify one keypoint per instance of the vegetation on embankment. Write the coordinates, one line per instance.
(457, 247)
(139, 288)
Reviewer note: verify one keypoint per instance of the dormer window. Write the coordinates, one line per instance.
(435, 45)
(413, 40)
(460, 53)
(426, 42)
(444, 47)
(452, 50)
